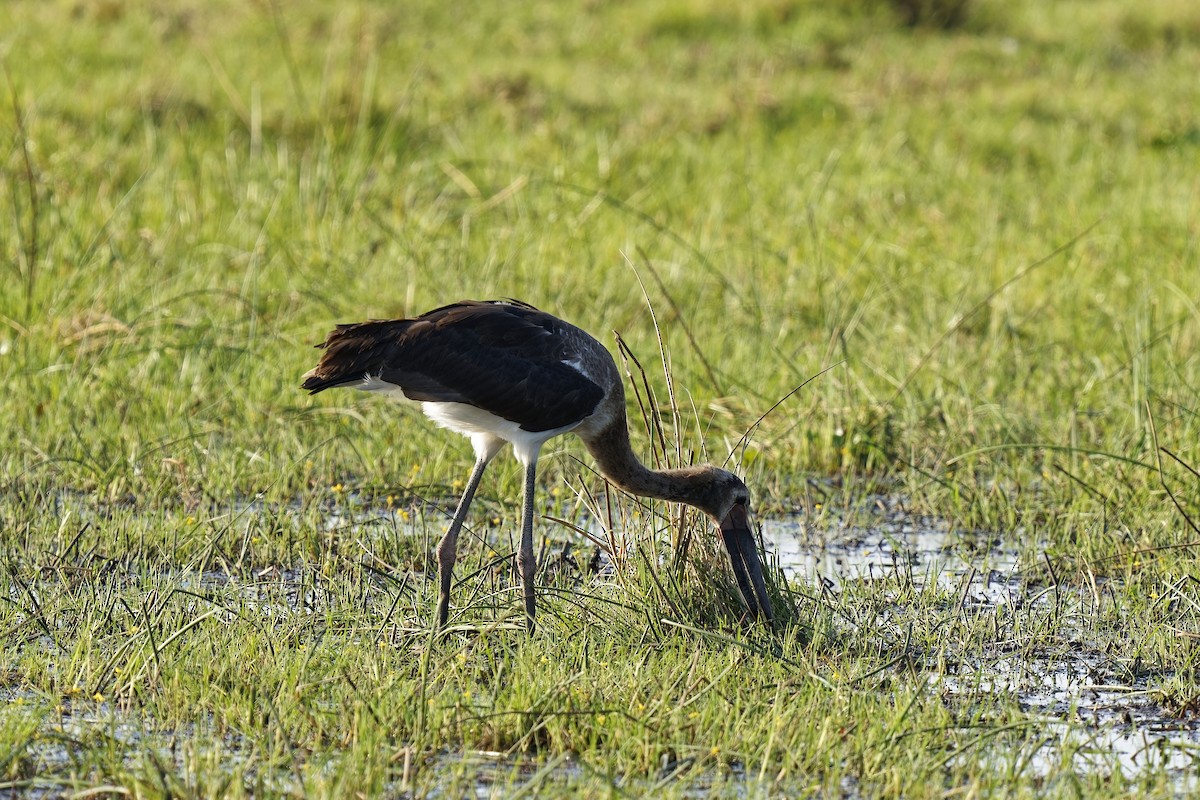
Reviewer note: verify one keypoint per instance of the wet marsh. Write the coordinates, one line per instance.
(1005, 668)
(979, 235)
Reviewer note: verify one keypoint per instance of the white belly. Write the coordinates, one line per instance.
(488, 432)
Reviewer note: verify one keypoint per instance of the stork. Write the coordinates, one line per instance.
(504, 372)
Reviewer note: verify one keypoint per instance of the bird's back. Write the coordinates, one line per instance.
(506, 358)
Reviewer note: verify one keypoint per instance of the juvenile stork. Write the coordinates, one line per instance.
(503, 371)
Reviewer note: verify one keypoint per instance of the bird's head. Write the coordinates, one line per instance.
(727, 501)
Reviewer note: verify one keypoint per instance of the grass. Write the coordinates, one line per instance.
(215, 585)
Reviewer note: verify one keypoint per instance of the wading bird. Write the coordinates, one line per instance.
(503, 371)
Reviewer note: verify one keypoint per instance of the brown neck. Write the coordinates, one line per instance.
(617, 461)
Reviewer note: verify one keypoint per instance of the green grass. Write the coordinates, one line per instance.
(986, 234)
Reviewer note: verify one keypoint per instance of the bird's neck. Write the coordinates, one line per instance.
(615, 457)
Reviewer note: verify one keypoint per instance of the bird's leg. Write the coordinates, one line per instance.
(525, 558)
(448, 548)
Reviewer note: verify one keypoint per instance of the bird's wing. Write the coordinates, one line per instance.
(508, 359)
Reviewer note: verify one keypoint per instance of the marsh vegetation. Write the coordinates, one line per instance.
(981, 237)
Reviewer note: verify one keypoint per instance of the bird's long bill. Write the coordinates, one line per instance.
(743, 553)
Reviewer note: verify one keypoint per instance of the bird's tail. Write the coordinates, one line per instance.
(352, 353)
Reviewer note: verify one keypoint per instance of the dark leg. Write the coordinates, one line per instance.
(525, 557)
(448, 548)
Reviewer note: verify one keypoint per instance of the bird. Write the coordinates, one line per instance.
(503, 372)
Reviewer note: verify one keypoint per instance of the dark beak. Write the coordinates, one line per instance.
(743, 553)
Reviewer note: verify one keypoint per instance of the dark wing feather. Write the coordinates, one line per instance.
(505, 358)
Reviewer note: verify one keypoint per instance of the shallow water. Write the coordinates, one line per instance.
(1084, 714)
(1104, 727)
(923, 552)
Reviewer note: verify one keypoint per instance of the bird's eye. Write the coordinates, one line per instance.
(741, 500)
